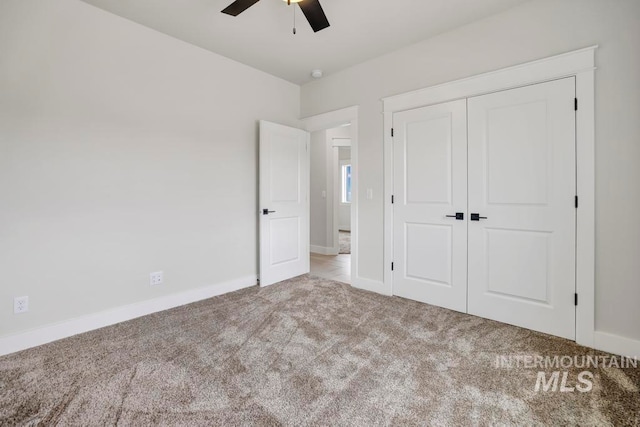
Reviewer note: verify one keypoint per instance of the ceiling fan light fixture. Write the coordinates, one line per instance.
(311, 9)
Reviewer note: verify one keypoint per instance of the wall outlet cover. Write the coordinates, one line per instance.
(155, 278)
(20, 304)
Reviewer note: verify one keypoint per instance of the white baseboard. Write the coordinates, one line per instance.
(322, 250)
(371, 286)
(78, 325)
(616, 344)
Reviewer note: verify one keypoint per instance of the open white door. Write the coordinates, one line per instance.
(284, 202)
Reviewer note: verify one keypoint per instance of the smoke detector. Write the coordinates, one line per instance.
(316, 74)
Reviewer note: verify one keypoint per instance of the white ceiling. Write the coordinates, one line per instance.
(262, 35)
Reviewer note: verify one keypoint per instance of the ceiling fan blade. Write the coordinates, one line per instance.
(314, 14)
(239, 6)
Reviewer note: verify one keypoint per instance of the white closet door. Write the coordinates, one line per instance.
(430, 179)
(522, 178)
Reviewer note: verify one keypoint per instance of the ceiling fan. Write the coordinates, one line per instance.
(311, 9)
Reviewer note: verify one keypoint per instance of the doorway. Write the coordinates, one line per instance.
(330, 199)
(342, 194)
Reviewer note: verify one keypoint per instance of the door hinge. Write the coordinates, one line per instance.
(576, 202)
(575, 104)
(391, 266)
(393, 199)
(391, 132)
(576, 299)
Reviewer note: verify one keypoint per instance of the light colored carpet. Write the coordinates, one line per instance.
(345, 242)
(307, 351)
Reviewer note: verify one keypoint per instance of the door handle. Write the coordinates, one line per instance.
(267, 211)
(458, 216)
(477, 217)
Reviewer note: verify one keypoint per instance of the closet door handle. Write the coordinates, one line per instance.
(458, 216)
(477, 217)
(267, 211)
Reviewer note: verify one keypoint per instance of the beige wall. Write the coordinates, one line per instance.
(122, 152)
(536, 29)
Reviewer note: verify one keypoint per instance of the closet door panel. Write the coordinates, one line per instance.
(430, 187)
(522, 186)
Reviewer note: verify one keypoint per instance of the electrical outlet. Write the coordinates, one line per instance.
(20, 305)
(155, 279)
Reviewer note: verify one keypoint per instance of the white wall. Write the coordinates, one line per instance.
(531, 31)
(318, 179)
(122, 151)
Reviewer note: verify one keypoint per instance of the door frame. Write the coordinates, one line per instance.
(329, 120)
(579, 64)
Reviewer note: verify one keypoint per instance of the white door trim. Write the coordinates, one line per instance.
(579, 63)
(328, 120)
(341, 142)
